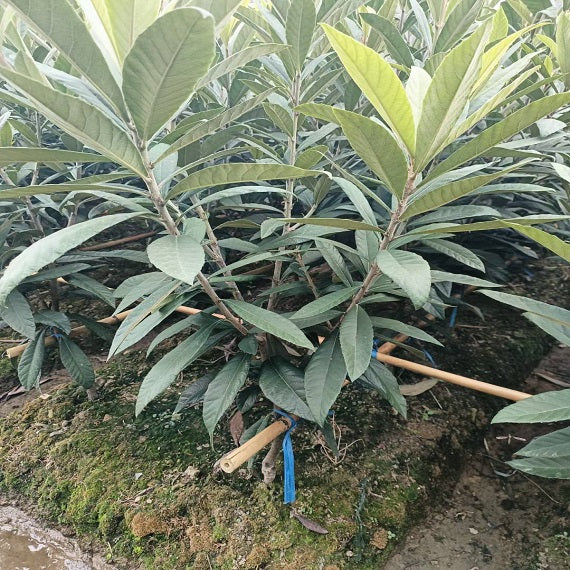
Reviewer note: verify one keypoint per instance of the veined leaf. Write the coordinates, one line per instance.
(550, 467)
(442, 276)
(490, 225)
(9, 155)
(379, 378)
(223, 389)
(125, 20)
(398, 326)
(457, 23)
(60, 23)
(324, 303)
(500, 131)
(393, 39)
(549, 241)
(76, 362)
(457, 252)
(165, 371)
(409, 271)
(238, 172)
(222, 10)
(299, 28)
(416, 89)
(181, 257)
(164, 66)
(283, 384)
(356, 336)
(270, 322)
(546, 407)
(378, 82)
(17, 314)
(563, 45)
(324, 377)
(269, 226)
(82, 121)
(377, 147)
(559, 330)
(30, 364)
(555, 444)
(448, 94)
(194, 393)
(48, 249)
(335, 261)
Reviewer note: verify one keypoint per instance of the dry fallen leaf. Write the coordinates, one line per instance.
(236, 427)
(309, 524)
(418, 388)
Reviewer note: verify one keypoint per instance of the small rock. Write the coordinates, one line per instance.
(107, 418)
(473, 530)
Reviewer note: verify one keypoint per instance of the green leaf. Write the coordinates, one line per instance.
(546, 407)
(93, 286)
(500, 132)
(442, 276)
(416, 89)
(30, 364)
(194, 393)
(356, 336)
(81, 120)
(54, 319)
(334, 260)
(324, 303)
(164, 66)
(555, 444)
(448, 94)
(378, 81)
(560, 331)
(393, 325)
(379, 378)
(427, 201)
(9, 155)
(222, 10)
(48, 249)
(76, 362)
(60, 22)
(377, 147)
(456, 251)
(223, 389)
(270, 322)
(181, 257)
(165, 371)
(299, 28)
(268, 226)
(409, 271)
(553, 243)
(551, 467)
(563, 45)
(125, 20)
(393, 39)
(324, 377)
(283, 385)
(17, 314)
(232, 173)
(457, 23)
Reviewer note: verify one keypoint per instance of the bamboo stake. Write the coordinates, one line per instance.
(115, 242)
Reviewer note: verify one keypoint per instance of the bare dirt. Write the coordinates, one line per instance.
(496, 519)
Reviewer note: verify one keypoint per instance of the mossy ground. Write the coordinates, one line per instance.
(145, 486)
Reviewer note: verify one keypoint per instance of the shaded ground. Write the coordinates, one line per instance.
(495, 518)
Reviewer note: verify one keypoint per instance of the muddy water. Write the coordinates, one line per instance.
(26, 545)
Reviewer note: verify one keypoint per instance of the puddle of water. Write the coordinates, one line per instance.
(26, 545)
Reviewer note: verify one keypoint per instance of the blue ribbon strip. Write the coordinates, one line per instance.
(288, 461)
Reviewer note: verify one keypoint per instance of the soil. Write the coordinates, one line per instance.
(496, 518)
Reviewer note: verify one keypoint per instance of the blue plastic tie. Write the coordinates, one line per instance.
(55, 334)
(288, 461)
(453, 317)
(430, 358)
(374, 353)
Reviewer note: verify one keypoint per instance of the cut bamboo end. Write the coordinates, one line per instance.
(236, 458)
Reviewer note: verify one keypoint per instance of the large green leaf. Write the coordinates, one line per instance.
(409, 271)
(500, 132)
(269, 225)
(238, 172)
(61, 24)
(30, 364)
(555, 444)
(433, 199)
(378, 81)
(125, 20)
(448, 94)
(181, 257)
(395, 42)
(165, 371)
(270, 322)
(379, 378)
(398, 326)
(356, 336)
(9, 155)
(299, 28)
(457, 23)
(324, 303)
(17, 314)
(546, 407)
(563, 45)
(550, 467)
(223, 389)
(283, 384)
(76, 362)
(553, 243)
(324, 377)
(48, 249)
(164, 65)
(457, 252)
(377, 147)
(222, 10)
(81, 120)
